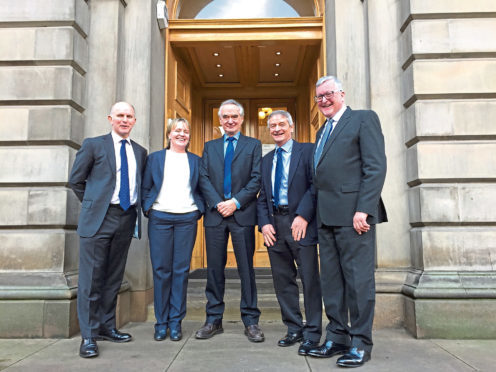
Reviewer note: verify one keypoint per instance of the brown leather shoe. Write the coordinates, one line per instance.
(209, 330)
(254, 333)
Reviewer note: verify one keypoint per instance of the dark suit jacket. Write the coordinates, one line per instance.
(245, 179)
(301, 196)
(154, 176)
(351, 171)
(93, 181)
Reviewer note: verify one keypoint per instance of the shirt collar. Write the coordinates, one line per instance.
(236, 136)
(117, 139)
(287, 147)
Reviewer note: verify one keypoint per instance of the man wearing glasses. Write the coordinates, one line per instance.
(350, 168)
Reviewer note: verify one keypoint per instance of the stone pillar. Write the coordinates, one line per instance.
(449, 90)
(43, 63)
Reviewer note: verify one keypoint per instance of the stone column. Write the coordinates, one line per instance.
(43, 63)
(449, 91)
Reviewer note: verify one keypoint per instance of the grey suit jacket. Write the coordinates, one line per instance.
(351, 171)
(93, 181)
(245, 179)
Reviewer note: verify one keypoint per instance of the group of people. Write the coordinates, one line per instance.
(299, 195)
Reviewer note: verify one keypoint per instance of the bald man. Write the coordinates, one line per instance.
(106, 178)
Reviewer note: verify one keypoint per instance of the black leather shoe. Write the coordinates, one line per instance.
(254, 333)
(176, 334)
(290, 339)
(160, 334)
(328, 349)
(209, 330)
(306, 346)
(114, 335)
(354, 358)
(88, 348)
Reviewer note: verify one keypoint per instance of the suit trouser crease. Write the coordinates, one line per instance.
(243, 240)
(172, 238)
(283, 256)
(102, 261)
(347, 263)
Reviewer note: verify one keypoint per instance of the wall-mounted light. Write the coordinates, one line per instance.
(218, 65)
(264, 112)
(276, 74)
(277, 64)
(278, 53)
(221, 75)
(216, 54)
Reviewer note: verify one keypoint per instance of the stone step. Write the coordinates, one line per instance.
(196, 300)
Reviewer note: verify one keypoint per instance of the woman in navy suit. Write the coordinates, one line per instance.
(173, 204)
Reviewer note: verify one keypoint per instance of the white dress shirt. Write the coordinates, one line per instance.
(131, 166)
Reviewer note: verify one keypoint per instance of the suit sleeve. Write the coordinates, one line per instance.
(147, 183)
(212, 197)
(262, 209)
(251, 189)
(81, 169)
(374, 164)
(307, 206)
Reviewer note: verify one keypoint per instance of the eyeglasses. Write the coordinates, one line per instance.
(327, 95)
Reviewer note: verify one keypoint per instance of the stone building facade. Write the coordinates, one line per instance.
(428, 69)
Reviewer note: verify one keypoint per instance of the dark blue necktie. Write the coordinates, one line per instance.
(124, 197)
(322, 142)
(278, 176)
(227, 167)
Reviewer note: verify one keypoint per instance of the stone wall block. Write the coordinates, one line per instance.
(466, 118)
(41, 83)
(41, 123)
(32, 250)
(53, 206)
(449, 36)
(452, 160)
(67, 11)
(13, 200)
(466, 248)
(448, 77)
(35, 164)
(434, 204)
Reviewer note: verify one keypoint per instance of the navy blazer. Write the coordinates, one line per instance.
(245, 179)
(154, 176)
(351, 171)
(301, 195)
(93, 178)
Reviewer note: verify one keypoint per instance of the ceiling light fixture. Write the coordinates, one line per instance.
(221, 75)
(278, 53)
(276, 74)
(277, 64)
(216, 54)
(218, 65)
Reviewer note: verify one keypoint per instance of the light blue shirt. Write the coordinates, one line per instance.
(235, 143)
(286, 159)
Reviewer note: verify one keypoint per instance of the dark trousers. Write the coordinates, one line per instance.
(243, 240)
(102, 260)
(283, 256)
(172, 238)
(347, 262)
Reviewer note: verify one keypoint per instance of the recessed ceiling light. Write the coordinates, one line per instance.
(216, 54)
(221, 75)
(276, 74)
(278, 53)
(218, 65)
(277, 64)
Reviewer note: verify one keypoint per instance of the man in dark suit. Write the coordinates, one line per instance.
(230, 181)
(286, 217)
(106, 178)
(350, 168)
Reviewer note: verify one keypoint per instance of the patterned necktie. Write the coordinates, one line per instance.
(124, 197)
(227, 167)
(278, 176)
(322, 142)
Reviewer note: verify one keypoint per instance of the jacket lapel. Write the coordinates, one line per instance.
(239, 146)
(110, 150)
(192, 169)
(335, 133)
(293, 164)
(268, 172)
